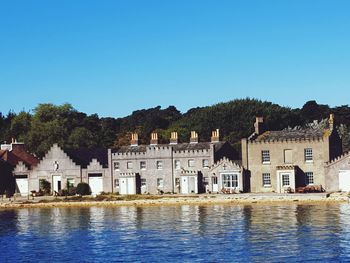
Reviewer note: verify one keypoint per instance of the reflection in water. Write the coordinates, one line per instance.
(252, 233)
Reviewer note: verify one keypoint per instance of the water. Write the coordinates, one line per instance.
(222, 233)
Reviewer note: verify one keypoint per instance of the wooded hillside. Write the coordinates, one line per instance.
(62, 124)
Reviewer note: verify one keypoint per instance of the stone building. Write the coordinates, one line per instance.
(169, 168)
(338, 173)
(65, 168)
(22, 163)
(280, 161)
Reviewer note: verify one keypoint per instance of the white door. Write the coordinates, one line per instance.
(56, 179)
(215, 184)
(131, 186)
(123, 186)
(184, 185)
(96, 184)
(22, 186)
(344, 180)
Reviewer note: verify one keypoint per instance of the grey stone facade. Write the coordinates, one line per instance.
(161, 166)
(59, 168)
(279, 161)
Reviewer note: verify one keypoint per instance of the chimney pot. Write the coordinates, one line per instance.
(215, 136)
(173, 138)
(154, 138)
(259, 125)
(134, 139)
(194, 137)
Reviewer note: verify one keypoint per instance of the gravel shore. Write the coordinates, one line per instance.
(270, 198)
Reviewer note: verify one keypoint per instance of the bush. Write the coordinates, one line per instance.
(83, 189)
(45, 186)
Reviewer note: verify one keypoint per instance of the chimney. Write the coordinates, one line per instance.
(173, 138)
(215, 136)
(259, 125)
(331, 121)
(154, 138)
(134, 139)
(194, 137)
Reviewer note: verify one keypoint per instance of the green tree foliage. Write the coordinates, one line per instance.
(63, 124)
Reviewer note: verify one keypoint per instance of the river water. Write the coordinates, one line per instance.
(216, 233)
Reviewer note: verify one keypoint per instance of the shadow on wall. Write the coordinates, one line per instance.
(7, 181)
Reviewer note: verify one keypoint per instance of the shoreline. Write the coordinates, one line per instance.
(171, 200)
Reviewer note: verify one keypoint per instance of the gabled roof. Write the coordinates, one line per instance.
(84, 156)
(19, 154)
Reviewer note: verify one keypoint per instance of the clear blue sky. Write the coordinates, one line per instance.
(113, 57)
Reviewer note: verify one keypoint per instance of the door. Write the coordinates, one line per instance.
(192, 185)
(56, 179)
(184, 185)
(96, 183)
(131, 186)
(22, 184)
(123, 186)
(344, 181)
(215, 184)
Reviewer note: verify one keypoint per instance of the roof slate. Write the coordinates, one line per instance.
(84, 156)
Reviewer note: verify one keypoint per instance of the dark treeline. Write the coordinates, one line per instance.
(48, 123)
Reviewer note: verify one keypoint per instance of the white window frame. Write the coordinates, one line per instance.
(143, 165)
(129, 165)
(308, 176)
(159, 165)
(308, 155)
(190, 163)
(205, 163)
(116, 166)
(230, 180)
(143, 182)
(116, 182)
(160, 182)
(265, 157)
(284, 179)
(266, 178)
(177, 164)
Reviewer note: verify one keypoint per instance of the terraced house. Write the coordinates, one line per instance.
(192, 167)
(281, 161)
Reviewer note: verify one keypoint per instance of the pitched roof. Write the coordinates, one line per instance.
(84, 156)
(291, 134)
(17, 154)
(176, 147)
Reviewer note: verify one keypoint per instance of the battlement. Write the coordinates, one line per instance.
(338, 158)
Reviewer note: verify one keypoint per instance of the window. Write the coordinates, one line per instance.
(265, 155)
(266, 179)
(70, 183)
(129, 165)
(288, 156)
(143, 165)
(177, 182)
(214, 180)
(177, 165)
(159, 165)
(116, 165)
(308, 155)
(160, 182)
(205, 163)
(143, 182)
(285, 180)
(230, 180)
(116, 182)
(191, 163)
(309, 178)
